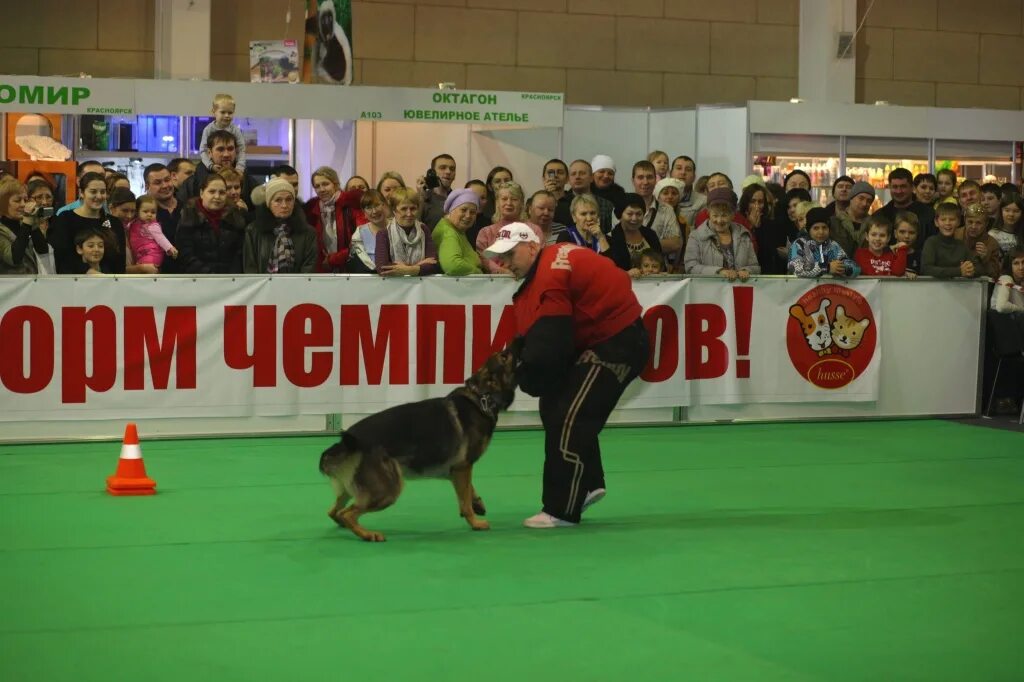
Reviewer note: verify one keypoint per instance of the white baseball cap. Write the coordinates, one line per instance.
(509, 236)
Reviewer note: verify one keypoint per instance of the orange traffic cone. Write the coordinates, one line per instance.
(130, 477)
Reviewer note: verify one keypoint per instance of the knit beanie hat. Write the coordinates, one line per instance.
(752, 179)
(263, 193)
(842, 178)
(817, 215)
(722, 195)
(862, 188)
(460, 197)
(667, 182)
(602, 162)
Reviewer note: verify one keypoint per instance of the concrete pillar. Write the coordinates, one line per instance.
(182, 37)
(823, 77)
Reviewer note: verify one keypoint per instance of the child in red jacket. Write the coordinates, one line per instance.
(877, 259)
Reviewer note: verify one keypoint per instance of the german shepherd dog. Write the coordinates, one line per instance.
(434, 438)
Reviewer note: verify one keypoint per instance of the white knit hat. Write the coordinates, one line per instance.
(602, 162)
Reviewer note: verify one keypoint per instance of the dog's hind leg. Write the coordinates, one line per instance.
(462, 480)
(378, 483)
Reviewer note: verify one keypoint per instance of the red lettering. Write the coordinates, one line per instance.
(75, 344)
(663, 358)
(296, 339)
(358, 341)
(453, 317)
(178, 343)
(12, 349)
(485, 345)
(263, 358)
(705, 325)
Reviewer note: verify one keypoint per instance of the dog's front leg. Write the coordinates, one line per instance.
(462, 479)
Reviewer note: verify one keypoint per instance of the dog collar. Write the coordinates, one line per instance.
(484, 402)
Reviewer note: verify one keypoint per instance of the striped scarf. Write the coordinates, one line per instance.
(283, 258)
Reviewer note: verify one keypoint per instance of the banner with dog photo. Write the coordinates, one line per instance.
(327, 55)
(792, 341)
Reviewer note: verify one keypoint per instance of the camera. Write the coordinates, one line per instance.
(552, 173)
(43, 212)
(433, 181)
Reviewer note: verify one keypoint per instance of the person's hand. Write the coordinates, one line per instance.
(421, 184)
(754, 216)
(728, 274)
(981, 249)
(743, 275)
(427, 261)
(551, 185)
(967, 269)
(897, 246)
(910, 275)
(836, 267)
(241, 205)
(172, 252)
(634, 273)
(216, 168)
(782, 251)
(29, 208)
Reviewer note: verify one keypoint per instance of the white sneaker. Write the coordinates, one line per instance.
(545, 520)
(592, 498)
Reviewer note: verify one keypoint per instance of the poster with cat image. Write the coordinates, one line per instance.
(328, 42)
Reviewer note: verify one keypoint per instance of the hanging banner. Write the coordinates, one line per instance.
(107, 96)
(328, 42)
(112, 96)
(88, 348)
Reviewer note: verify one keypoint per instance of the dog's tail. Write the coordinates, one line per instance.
(336, 454)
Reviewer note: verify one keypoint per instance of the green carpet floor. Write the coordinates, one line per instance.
(870, 551)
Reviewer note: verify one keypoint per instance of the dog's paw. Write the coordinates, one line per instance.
(372, 536)
(479, 524)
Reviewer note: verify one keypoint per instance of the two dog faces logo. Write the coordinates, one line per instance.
(831, 336)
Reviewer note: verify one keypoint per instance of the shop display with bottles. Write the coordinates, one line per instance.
(823, 171)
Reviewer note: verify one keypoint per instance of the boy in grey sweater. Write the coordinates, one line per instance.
(944, 255)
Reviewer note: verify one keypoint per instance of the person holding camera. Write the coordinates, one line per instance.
(21, 238)
(435, 186)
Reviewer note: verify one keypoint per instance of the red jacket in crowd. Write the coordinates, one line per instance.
(347, 217)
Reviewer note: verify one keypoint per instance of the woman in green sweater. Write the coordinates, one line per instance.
(454, 252)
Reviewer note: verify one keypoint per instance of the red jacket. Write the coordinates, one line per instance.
(347, 217)
(570, 280)
(889, 264)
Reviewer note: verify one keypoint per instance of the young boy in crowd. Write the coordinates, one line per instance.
(877, 259)
(90, 246)
(223, 117)
(907, 228)
(814, 253)
(944, 255)
(975, 235)
(651, 263)
(991, 194)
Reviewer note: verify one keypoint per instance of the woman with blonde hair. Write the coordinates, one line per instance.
(20, 236)
(510, 207)
(389, 182)
(334, 215)
(404, 247)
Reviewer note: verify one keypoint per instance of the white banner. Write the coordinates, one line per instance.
(96, 348)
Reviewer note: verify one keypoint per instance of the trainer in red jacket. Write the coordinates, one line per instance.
(580, 343)
(347, 216)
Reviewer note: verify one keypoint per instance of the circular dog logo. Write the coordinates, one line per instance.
(831, 335)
